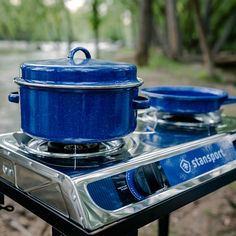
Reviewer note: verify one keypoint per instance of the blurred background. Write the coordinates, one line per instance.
(173, 42)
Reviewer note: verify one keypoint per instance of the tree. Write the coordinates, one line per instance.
(132, 6)
(145, 30)
(159, 35)
(173, 33)
(230, 24)
(207, 11)
(95, 21)
(206, 53)
(70, 32)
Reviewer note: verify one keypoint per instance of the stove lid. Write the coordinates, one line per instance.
(81, 73)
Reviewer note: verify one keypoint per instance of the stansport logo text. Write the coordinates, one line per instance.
(212, 157)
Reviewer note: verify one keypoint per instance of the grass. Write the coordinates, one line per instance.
(159, 62)
(175, 69)
(232, 186)
(180, 69)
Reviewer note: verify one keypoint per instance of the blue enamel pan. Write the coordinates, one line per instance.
(187, 100)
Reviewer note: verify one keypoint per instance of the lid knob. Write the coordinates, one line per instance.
(75, 50)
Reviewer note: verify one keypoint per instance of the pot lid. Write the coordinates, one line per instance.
(79, 73)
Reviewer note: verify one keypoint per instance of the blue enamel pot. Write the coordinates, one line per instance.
(187, 100)
(78, 101)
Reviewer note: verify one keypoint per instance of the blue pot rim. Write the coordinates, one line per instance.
(78, 86)
(208, 94)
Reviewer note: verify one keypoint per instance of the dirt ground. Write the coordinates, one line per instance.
(213, 215)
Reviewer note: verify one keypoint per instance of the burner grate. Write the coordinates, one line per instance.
(154, 119)
(74, 148)
(76, 155)
(79, 151)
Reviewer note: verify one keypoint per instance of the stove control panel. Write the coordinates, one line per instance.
(141, 182)
(128, 187)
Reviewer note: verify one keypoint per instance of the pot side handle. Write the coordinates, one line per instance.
(141, 102)
(229, 100)
(14, 97)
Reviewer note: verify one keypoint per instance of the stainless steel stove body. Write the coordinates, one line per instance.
(165, 156)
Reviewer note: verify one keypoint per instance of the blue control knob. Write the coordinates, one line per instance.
(148, 179)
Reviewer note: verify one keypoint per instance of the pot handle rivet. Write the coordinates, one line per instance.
(75, 50)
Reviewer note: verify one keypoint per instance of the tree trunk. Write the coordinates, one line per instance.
(97, 51)
(206, 53)
(161, 40)
(173, 33)
(207, 4)
(145, 30)
(225, 34)
(95, 19)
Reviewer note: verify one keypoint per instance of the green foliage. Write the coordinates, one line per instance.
(33, 20)
(81, 26)
(159, 12)
(112, 27)
(95, 18)
(215, 23)
(187, 26)
(221, 12)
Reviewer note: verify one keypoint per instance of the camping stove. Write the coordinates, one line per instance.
(95, 185)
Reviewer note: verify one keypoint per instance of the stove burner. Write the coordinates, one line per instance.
(189, 122)
(73, 148)
(178, 118)
(76, 155)
(79, 151)
(153, 119)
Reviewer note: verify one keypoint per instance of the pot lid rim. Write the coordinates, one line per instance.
(92, 85)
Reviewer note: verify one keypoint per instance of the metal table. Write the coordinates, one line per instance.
(127, 226)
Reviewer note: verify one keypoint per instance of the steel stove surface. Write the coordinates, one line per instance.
(164, 157)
